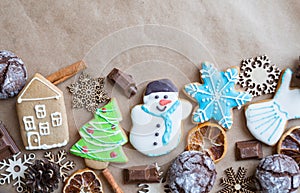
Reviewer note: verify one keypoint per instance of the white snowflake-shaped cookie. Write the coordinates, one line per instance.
(258, 76)
(15, 169)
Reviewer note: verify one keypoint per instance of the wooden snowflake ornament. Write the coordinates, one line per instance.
(88, 92)
(259, 76)
(59, 160)
(161, 187)
(236, 183)
(15, 169)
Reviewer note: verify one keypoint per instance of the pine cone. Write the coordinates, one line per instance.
(42, 177)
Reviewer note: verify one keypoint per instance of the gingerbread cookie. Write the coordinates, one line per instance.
(259, 76)
(266, 120)
(42, 115)
(102, 137)
(156, 126)
(13, 74)
(216, 96)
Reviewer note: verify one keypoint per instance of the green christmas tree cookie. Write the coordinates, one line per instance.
(102, 137)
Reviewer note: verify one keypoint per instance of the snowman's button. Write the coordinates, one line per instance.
(155, 143)
(156, 134)
(158, 125)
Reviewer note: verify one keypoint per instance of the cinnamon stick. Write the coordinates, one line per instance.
(67, 72)
(106, 173)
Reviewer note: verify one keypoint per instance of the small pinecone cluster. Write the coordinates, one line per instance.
(42, 177)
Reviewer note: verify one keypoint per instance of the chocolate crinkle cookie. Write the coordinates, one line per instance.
(13, 74)
(192, 172)
(277, 173)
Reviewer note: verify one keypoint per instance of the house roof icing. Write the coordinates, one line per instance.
(39, 88)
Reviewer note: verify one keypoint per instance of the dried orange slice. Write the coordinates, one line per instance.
(289, 144)
(208, 137)
(83, 181)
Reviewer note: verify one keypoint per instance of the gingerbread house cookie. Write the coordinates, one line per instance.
(42, 115)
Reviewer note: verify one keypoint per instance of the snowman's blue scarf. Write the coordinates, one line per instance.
(166, 118)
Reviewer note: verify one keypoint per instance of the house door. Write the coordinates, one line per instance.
(34, 140)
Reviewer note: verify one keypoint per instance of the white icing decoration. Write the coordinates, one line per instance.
(266, 120)
(44, 129)
(142, 135)
(29, 123)
(35, 137)
(110, 147)
(45, 146)
(20, 99)
(36, 140)
(40, 111)
(56, 119)
(96, 140)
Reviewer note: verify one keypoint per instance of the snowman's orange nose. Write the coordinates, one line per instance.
(164, 102)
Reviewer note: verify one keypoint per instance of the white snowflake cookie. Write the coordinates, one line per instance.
(258, 76)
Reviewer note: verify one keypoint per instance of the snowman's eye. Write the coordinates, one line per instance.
(156, 97)
(166, 96)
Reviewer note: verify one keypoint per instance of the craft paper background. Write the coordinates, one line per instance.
(49, 35)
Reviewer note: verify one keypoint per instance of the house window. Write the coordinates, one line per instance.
(40, 111)
(29, 123)
(44, 128)
(56, 119)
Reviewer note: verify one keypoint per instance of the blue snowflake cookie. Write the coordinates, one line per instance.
(217, 95)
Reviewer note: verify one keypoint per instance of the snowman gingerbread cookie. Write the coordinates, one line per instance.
(156, 128)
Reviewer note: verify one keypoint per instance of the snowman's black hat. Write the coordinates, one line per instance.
(162, 85)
